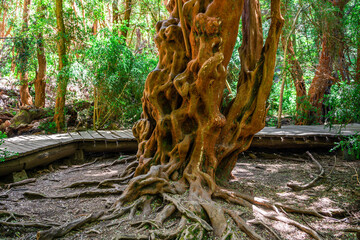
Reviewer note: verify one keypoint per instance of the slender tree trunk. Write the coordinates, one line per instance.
(3, 22)
(357, 75)
(128, 7)
(300, 87)
(40, 81)
(25, 96)
(296, 73)
(116, 13)
(321, 82)
(63, 62)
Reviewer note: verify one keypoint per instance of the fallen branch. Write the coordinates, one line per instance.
(299, 187)
(64, 229)
(20, 183)
(356, 230)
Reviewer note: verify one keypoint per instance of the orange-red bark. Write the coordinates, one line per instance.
(184, 134)
(25, 96)
(62, 80)
(40, 81)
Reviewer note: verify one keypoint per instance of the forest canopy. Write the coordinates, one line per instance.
(110, 49)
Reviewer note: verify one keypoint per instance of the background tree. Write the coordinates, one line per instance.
(25, 97)
(63, 62)
(40, 81)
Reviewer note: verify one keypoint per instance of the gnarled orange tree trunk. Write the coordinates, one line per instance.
(187, 139)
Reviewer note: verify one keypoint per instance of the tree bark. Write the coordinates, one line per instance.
(357, 75)
(331, 58)
(128, 7)
(185, 134)
(62, 80)
(116, 14)
(25, 96)
(321, 82)
(40, 81)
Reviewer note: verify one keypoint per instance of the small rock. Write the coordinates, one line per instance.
(63, 167)
(19, 176)
(51, 168)
(253, 156)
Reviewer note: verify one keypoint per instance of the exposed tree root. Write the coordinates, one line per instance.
(7, 213)
(195, 218)
(27, 224)
(82, 184)
(243, 225)
(189, 214)
(64, 229)
(283, 218)
(35, 195)
(125, 160)
(20, 183)
(259, 222)
(299, 187)
(88, 164)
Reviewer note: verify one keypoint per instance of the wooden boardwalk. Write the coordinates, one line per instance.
(25, 152)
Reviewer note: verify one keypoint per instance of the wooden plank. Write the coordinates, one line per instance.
(96, 136)
(75, 136)
(118, 134)
(17, 147)
(107, 135)
(129, 133)
(123, 134)
(86, 136)
(63, 138)
(115, 135)
(8, 146)
(41, 142)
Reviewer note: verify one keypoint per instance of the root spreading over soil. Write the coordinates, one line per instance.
(87, 202)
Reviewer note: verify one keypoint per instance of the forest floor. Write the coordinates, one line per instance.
(260, 174)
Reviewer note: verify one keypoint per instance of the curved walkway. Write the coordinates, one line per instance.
(26, 152)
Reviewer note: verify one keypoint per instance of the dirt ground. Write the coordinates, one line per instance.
(261, 174)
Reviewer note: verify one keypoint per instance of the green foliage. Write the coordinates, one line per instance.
(118, 74)
(4, 153)
(289, 101)
(344, 104)
(305, 107)
(48, 127)
(350, 145)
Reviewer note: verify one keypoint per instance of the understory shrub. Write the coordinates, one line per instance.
(118, 77)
